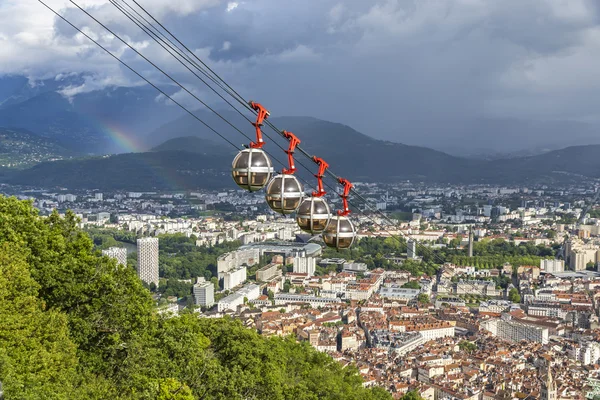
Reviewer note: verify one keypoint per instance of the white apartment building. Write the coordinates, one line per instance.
(305, 265)
(117, 253)
(396, 292)
(586, 353)
(579, 253)
(250, 292)
(147, 252)
(435, 333)
(286, 298)
(237, 258)
(204, 293)
(515, 331)
(61, 198)
(495, 306)
(234, 277)
(552, 266)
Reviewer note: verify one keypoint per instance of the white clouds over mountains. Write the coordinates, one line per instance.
(374, 64)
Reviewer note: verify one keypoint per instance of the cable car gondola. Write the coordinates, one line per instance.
(340, 232)
(252, 168)
(285, 192)
(313, 214)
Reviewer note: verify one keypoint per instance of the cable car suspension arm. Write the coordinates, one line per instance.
(261, 116)
(347, 187)
(319, 175)
(294, 141)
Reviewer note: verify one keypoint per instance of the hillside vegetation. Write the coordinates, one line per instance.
(77, 326)
(22, 149)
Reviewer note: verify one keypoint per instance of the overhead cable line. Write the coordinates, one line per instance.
(171, 48)
(241, 100)
(232, 92)
(229, 89)
(197, 118)
(158, 68)
(137, 73)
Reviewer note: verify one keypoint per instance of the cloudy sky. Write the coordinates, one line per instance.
(377, 65)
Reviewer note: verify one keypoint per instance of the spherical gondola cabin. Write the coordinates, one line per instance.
(252, 169)
(313, 215)
(284, 194)
(340, 233)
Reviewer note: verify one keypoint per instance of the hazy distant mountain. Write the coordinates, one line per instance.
(167, 170)
(555, 165)
(348, 152)
(488, 136)
(118, 119)
(99, 122)
(22, 149)
(195, 144)
(375, 161)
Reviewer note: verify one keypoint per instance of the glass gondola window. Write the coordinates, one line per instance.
(284, 194)
(252, 169)
(313, 215)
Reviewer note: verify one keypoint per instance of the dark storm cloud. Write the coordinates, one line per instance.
(388, 68)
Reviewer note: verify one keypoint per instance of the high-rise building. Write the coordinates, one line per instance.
(411, 249)
(118, 253)
(204, 293)
(98, 196)
(470, 242)
(147, 252)
(234, 277)
(305, 265)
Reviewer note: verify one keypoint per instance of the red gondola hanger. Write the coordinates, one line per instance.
(294, 141)
(347, 187)
(313, 214)
(319, 175)
(262, 114)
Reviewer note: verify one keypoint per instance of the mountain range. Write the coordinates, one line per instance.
(111, 120)
(188, 163)
(166, 149)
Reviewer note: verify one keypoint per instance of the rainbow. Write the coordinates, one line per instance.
(127, 144)
(120, 138)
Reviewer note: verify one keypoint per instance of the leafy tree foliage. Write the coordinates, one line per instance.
(423, 298)
(180, 258)
(77, 326)
(467, 346)
(412, 395)
(514, 296)
(412, 285)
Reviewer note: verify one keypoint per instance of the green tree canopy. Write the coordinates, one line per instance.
(412, 395)
(77, 326)
(514, 296)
